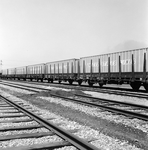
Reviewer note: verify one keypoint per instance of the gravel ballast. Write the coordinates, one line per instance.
(100, 140)
(136, 123)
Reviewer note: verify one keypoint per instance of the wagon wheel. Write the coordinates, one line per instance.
(135, 85)
(101, 85)
(70, 82)
(79, 82)
(90, 83)
(146, 86)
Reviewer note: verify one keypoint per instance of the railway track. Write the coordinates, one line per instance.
(123, 108)
(13, 110)
(115, 91)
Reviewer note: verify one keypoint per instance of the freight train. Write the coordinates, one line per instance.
(130, 67)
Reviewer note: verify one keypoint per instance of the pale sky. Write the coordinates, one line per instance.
(37, 31)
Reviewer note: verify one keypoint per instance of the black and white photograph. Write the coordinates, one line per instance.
(73, 74)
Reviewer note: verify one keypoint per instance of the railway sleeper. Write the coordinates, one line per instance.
(22, 136)
(29, 127)
(17, 121)
(41, 146)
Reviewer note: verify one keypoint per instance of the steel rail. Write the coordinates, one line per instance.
(74, 140)
(102, 99)
(132, 94)
(122, 93)
(140, 116)
(23, 85)
(113, 101)
(19, 87)
(104, 90)
(111, 109)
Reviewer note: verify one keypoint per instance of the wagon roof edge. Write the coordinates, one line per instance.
(113, 52)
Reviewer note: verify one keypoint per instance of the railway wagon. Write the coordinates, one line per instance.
(21, 73)
(11, 73)
(64, 70)
(36, 72)
(117, 68)
(4, 73)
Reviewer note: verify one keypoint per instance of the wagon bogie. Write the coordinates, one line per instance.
(79, 81)
(135, 85)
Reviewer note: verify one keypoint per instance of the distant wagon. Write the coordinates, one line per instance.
(11, 73)
(21, 73)
(36, 72)
(64, 70)
(4, 73)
